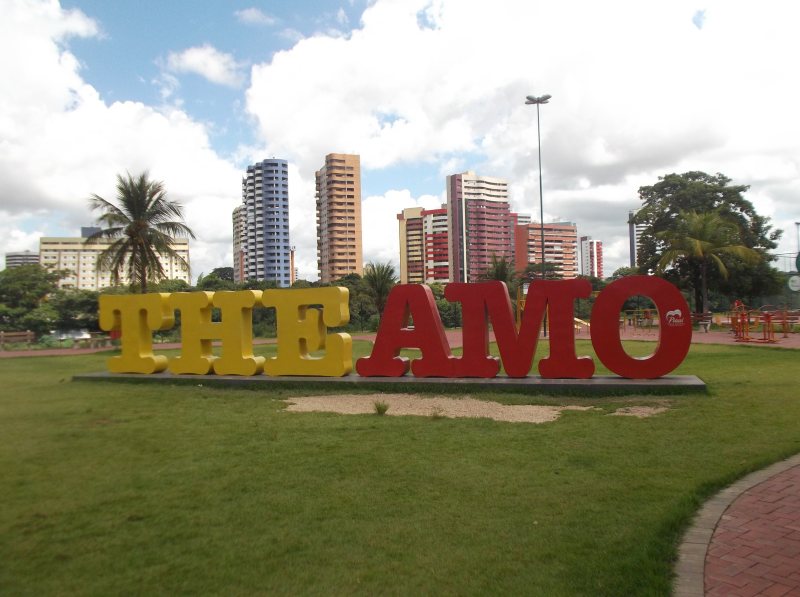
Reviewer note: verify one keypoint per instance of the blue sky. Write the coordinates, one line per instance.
(195, 91)
(125, 62)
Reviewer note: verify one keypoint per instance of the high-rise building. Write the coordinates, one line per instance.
(591, 257)
(239, 243)
(411, 246)
(560, 246)
(338, 195)
(634, 237)
(480, 224)
(261, 225)
(423, 245)
(79, 258)
(17, 258)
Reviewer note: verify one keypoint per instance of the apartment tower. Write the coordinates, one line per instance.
(261, 225)
(423, 245)
(19, 258)
(239, 243)
(634, 238)
(560, 247)
(79, 257)
(339, 250)
(591, 257)
(480, 224)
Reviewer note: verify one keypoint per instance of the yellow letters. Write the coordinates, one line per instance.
(136, 316)
(237, 333)
(302, 316)
(234, 331)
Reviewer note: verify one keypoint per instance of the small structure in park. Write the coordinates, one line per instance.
(746, 323)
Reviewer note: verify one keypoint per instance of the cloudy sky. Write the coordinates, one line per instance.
(194, 91)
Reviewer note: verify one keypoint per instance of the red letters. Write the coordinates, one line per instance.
(405, 301)
(487, 302)
(490, 300)
(559, 296)
(675, 330)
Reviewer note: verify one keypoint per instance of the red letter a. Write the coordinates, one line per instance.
(414, 300)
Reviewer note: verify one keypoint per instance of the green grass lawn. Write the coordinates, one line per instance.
(110, 488)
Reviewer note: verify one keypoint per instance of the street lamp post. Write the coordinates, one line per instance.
(538, 101)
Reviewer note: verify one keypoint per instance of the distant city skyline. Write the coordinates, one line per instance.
(194, 92)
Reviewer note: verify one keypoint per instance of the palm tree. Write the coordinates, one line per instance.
(502, 270)
(379, 279)
(142, 226)
(703, 239)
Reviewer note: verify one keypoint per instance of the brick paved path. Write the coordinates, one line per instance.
(755, 549)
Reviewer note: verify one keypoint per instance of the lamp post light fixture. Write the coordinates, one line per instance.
(538, 101)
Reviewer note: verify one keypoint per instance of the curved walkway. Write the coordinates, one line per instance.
(746, 539)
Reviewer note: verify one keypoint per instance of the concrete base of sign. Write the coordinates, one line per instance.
(608, 385)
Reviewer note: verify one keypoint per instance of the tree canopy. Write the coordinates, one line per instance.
(501, 269)
(702, 240)
(23, 294)
(379, 279)
(142, 226)
(676, 194)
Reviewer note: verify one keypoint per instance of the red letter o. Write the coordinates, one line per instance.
(675, 329)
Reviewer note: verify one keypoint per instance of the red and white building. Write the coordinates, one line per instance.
(423, 245)
(591, 257)
(480, 224)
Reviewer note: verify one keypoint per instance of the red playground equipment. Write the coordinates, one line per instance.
(746, 323)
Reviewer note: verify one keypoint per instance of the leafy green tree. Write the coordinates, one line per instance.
(212, 283)
(502, 270)
(701, 193)
(700, 240)
(223, 273)
(171, 286)
(622, 272)
(23, 290)
(40, 320)
(533, 271)
(26, 286)
(449, 313)
(75, 309)
(142, 227)
(379, 279)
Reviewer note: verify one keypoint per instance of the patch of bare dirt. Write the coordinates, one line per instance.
(436, 406)
(640, 411)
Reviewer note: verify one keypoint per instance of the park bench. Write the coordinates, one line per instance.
(94, 341)
(703, 321)
(27, 337)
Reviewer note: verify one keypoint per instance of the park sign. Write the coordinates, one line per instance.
(304, 316)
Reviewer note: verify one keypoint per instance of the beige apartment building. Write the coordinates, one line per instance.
(560, 246)
(339, 249)
(423, 245)
(80, 259)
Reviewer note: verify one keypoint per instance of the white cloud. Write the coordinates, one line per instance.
(638, 91)
(380, 235)
(62, 142)
(208, 62)
(254, 16)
